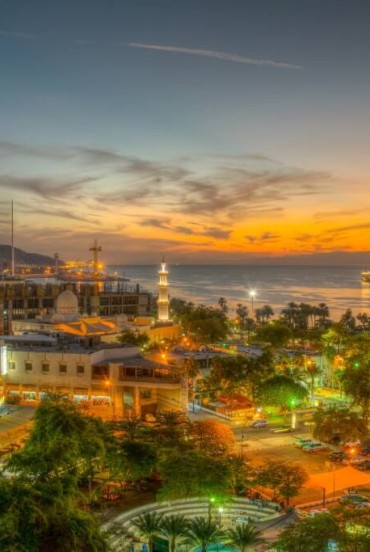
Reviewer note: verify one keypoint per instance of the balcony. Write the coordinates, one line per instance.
(154, 375)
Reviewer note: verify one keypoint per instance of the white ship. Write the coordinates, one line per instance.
(365, 275)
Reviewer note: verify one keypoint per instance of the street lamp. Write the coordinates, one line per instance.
(252, 295)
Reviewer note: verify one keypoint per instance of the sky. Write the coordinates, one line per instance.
(213, 131)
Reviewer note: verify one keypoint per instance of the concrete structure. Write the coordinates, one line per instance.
(116, 378)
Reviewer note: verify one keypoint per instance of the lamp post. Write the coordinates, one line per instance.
(110, 389)
(252, 295)
(210, 502)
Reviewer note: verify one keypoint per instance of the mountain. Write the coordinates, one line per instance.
(22, 257)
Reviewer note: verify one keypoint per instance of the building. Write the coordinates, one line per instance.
(25, 300)
(113, 381)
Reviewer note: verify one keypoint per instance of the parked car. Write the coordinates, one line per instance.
(150, 418)
(302, 442)
(282, 429)
(357, 460)
(352, 498)
(365, 451)
(363, 466)
(314, 447)
(337, 456)
(257, 424)
(362, 505)
(352, 444)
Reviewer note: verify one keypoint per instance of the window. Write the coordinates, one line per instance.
(62, 368)
(45, 367)
(28, 366)
(11, 365)
(80, 369)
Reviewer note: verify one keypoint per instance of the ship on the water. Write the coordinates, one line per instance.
(365, 276)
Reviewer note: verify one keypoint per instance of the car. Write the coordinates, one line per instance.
(317, 448)
(302, 442)
(259, 424)
(362, 505)
(363, 466)
(352, 498)
(318, 511)
(337, 456)
(357, 460)
(314, 447)
(282, 429)
(352, 444)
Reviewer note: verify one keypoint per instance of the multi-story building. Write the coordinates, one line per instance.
(116, 380)
(23, 300)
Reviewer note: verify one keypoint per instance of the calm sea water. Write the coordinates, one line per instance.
(338, 286)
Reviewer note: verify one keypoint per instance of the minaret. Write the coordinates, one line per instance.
(163, 300)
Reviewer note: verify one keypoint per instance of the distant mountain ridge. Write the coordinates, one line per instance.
(22, 257)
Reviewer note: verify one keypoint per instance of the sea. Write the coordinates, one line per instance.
(340, 287)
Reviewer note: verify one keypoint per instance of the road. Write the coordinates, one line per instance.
(14, 426)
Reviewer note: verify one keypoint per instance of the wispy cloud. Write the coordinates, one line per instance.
(17, 34)
(216, 55)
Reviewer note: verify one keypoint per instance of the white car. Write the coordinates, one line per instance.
(362, 505)
(259, 423)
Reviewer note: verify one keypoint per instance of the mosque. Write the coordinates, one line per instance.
(63, 352)
(67, 320)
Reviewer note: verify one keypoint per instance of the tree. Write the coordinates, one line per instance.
(240, 474)
(187, 473)
(277, 334)
(172, 426)
(356, 384)
(281, 391)
(149, 526)
(202, 532)
(313, 371)
(244, 536)
(212, 437)
(286, 480)
(310, 535)
(348, 320)
(223, 304)
(336, 425)
(174, 528)
(133, 338)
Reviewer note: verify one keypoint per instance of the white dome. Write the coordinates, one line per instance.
(66, 304)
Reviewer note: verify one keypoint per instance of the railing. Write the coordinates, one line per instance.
(147, 374)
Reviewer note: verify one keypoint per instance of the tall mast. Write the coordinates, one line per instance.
(96, 250)
(13, 262)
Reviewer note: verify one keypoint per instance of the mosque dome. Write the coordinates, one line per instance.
(66, 304)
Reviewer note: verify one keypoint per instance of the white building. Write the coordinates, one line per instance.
(116, 379)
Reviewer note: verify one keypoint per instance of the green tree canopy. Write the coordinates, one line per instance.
(282, 391)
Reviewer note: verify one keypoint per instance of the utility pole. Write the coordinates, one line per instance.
(13, 261)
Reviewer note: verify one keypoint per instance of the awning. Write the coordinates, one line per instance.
(338, 480)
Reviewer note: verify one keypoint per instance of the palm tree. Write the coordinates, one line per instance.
(149, 526)
(223, 304)
(202, 532)
(173, 528)
(191, 368)
(244, 536)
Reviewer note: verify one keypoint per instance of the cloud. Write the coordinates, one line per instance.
(264, 237)
(18, 34)
(44, 187)
(208, 231)
(216, 55)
